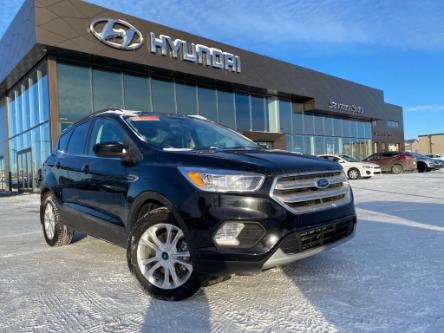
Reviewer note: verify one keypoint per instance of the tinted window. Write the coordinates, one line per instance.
(107, 90)
(258, 113)
(105, 130)
(207, 103)
(186, 99)
(63, 141)
(136, 93)
(285, 116)
(389, 154)
(163, 96)
(78, 139)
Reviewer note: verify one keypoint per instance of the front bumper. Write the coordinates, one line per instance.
(294, 245)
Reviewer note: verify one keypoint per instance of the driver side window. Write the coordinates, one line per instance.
(105, 130)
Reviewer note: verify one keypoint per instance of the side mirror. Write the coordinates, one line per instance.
(110, 150)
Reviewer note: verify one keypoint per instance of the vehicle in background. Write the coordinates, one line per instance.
(395, 162)
(353, 168)
(436, 156)
(424, 163)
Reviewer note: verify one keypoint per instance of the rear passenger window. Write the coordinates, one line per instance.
(63, 141)
(78, 139)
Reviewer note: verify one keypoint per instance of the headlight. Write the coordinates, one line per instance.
(213, 180)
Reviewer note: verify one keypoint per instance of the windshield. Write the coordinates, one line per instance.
(177, 133)
(349, 158)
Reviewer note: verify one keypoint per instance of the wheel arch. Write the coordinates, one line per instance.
(151, 197)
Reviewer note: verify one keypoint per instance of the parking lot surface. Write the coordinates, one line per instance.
(389, 278)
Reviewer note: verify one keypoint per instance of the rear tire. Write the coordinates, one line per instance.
(397, 169)
(159, 257)
(55, 232)
(353, 173)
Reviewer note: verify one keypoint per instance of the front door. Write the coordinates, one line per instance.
(24, 170)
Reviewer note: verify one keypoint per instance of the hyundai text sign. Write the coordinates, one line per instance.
(124, 36)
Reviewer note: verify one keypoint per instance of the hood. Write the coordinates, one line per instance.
(270, 162)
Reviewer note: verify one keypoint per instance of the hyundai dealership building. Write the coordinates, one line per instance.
(62, 60)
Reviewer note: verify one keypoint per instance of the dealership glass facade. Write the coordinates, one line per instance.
(83, 89)
(29, 132)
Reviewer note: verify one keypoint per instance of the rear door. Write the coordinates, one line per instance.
(73, 177)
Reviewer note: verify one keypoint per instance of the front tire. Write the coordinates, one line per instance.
(55, 232)
(160, 259)
(353, 173)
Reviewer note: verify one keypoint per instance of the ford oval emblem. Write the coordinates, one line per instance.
(322, 183)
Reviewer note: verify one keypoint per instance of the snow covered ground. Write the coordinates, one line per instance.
(389, 278)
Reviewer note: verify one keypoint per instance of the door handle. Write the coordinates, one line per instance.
(58, 165)
(85, 169)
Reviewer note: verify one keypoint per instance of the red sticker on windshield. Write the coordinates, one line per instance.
(145, 118)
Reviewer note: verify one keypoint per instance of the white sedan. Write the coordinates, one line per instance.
(354, 168)
(436, 156)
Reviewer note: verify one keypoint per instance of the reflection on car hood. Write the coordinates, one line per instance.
(264, 161)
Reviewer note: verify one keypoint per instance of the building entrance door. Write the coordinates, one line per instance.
(24, 170)
(2, 174)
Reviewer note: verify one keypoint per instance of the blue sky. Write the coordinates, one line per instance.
(397, 46)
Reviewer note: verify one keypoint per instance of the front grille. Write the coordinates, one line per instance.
(318, 236)
(301, 193)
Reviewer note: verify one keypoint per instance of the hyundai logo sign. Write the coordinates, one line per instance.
(124, 36)
(322, 183)
(116, 33)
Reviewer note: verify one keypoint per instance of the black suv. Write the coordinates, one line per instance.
(190, 200)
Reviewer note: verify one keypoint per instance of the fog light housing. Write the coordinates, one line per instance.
(239, 234)
(228, 233)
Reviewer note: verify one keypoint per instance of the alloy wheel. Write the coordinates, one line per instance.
(353, 174)
(49, 221)
(163, 256)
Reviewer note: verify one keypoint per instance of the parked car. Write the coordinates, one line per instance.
(436, 156)
(424, 163)
(353, 168)
(190, 200)
(395, 162)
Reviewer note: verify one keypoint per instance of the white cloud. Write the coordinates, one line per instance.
(425, 108)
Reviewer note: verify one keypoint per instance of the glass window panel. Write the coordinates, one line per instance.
(355, 129)
(309, 145)
(273, 115)
(361, 129)
(258, 113)
(347, 146)
(11, 116)
(319, 125)
(225, 104)
(207, 103)
(42, 85)
(319, 145)
(329, 126)
(34, 101)
(18, 113)
(186, 98)
(298, 122)
(367, 130)
(136, 93)
(309, 124)
(337, 127)
(107, 89)
(74, 93)
(77, 142)
(26, 108)
(332, 145)
(347, 128)
(298, 144)
(243, 112)
(285, 116)
(163, 96)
